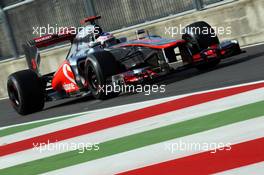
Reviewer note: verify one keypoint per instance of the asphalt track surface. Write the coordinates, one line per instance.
(239, 69)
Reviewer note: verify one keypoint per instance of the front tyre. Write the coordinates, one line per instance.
(100, 66)
(26, 92)
(200, 36)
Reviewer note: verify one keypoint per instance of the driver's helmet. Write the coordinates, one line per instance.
(106, 39)
(97, 30)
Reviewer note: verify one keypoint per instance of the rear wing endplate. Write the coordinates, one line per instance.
(31, 48)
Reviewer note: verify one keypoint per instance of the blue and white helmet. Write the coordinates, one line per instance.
(106, 39)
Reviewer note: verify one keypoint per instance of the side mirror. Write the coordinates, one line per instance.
(141, 32)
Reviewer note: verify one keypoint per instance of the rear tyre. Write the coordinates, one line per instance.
(100, 66)
(200, 36)
(26, 92)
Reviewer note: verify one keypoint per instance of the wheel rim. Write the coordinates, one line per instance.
(92, 78)
(13, 94)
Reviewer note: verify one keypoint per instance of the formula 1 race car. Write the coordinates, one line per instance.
(91, 63)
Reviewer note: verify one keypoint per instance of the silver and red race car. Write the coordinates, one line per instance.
(97, 60)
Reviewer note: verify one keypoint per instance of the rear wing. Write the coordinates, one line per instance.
(91, 19)
(31, 48)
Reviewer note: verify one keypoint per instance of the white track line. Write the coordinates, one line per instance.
(4, 98)
(236, 100)
(252, 45)
(134, 127)
(253, 169)
(221, 104)
(84, 118)
(133, 106)
(139, 103)
(153, 154)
